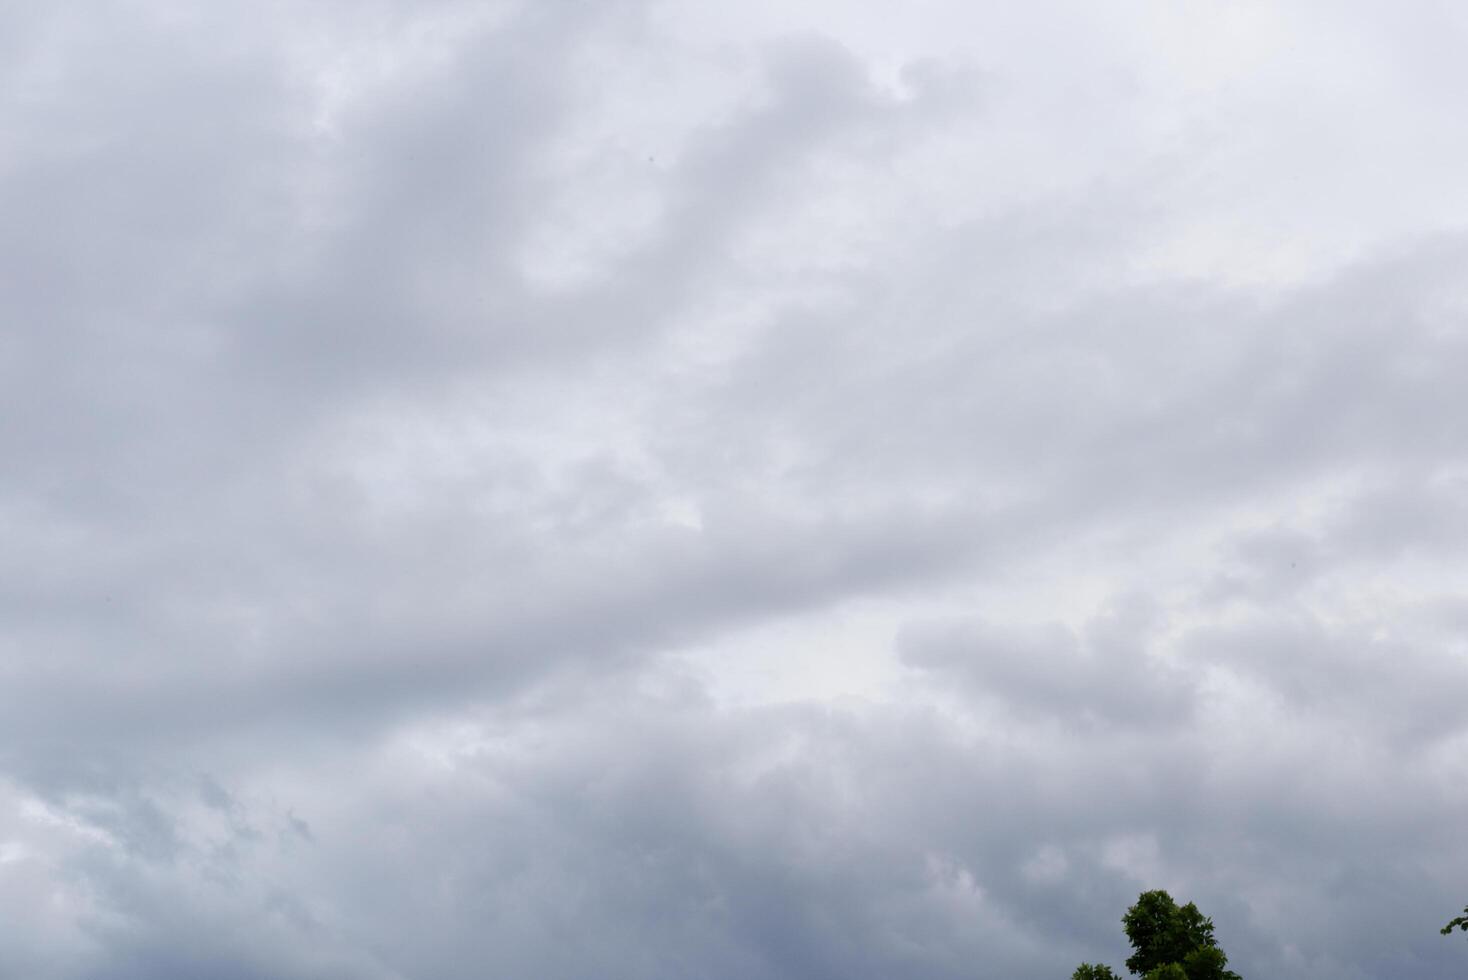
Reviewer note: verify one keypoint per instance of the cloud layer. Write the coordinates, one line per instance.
(658, 490)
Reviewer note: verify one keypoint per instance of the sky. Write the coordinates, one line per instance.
(655, 489)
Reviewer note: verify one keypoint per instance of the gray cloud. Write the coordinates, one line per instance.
(646, 490)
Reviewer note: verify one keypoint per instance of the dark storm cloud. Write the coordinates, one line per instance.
(417, 419)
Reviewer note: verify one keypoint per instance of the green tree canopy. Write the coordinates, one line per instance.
(1161, 932)
(1093, 971)
(1171, 971)
(1169, 942)
(1461, 922)
(1207, 963)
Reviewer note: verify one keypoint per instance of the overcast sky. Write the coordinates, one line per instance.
(645, 489)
